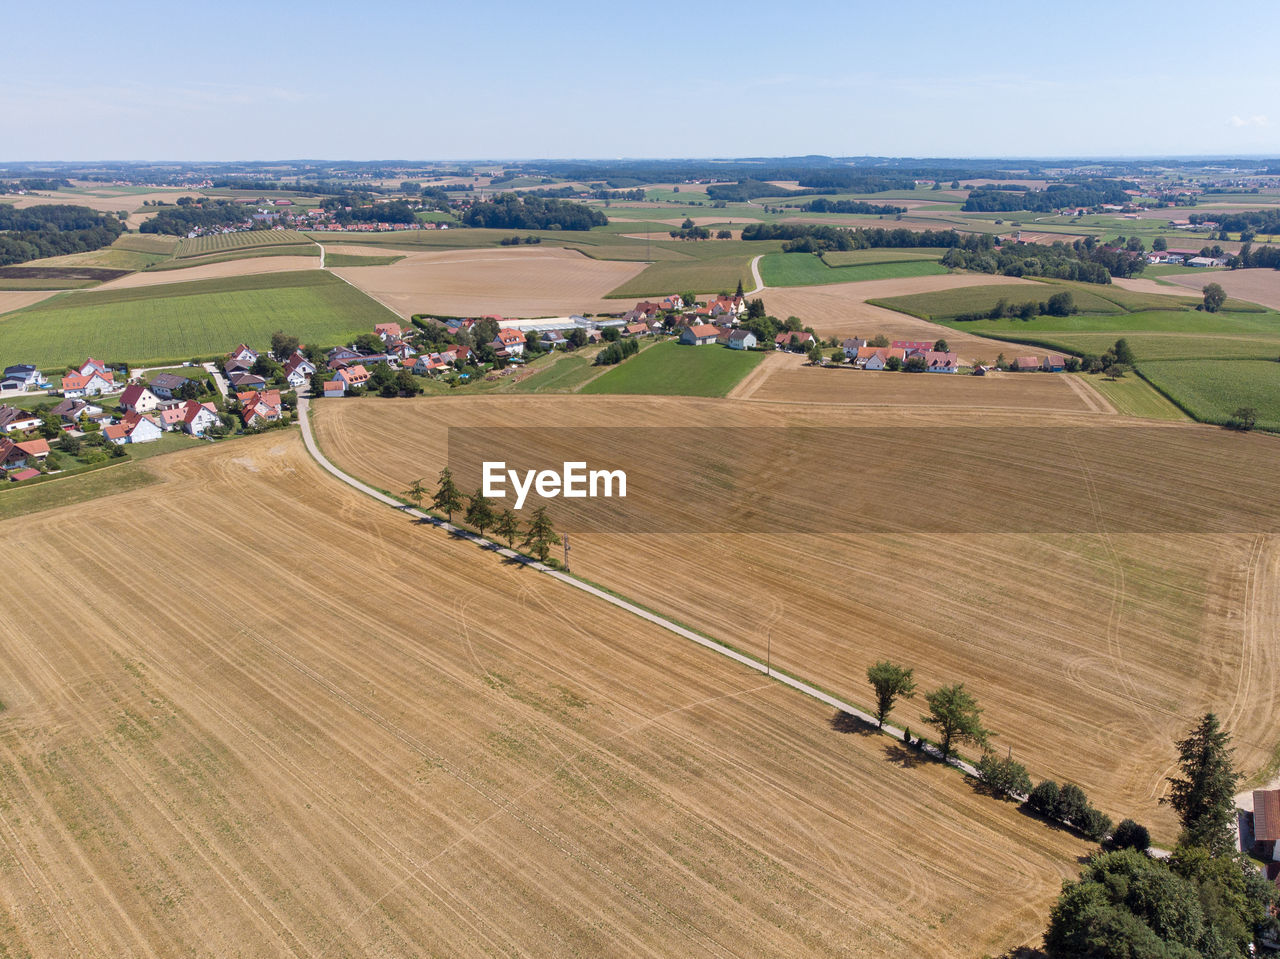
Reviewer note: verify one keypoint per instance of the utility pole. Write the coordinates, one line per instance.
(565, 540)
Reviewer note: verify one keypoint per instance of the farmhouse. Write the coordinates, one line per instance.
(138, 399)
(742, 340)
(912, 347)
(1023, 363)
(797, 341)
(877, 357)
(851, 347)
(699, 335)
(165, 385)
(941, 362)
(1053, 363)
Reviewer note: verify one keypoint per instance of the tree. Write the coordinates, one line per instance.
(941, 346)
(283, 345)
(508, 527)
(1123, 352)
(1203, 796)
(540, 536)
(1004, 777)
(369, 343)
(416, 492)
(447, 497)
(1214, 297)
(889, 681)
(739, 293)
(815, 353)
(1060, 304)
(1244, 419)
(480, 512)
(1130, 835)
(69, 444)
(893, 364)
(1044, 798)
(879, 341)
(837, 356)
(954, 713)
(1159, 244)
(724, 235)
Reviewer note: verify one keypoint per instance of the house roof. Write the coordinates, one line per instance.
(38, 447)
(19, 475)
(132, 394)
(168, 381)
(1027, 361)
(335, 386)
(1266, 814)
(737, 335)
(116, 431)
(704, 329)
(510, 336)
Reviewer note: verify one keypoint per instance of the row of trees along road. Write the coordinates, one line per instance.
(482, 514)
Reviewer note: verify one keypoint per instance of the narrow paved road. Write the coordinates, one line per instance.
(219, 380)
(755, 274)
(309, 441)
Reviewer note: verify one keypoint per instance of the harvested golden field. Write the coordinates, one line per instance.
(508, 282)
(1256, 286)
(11, 300)
(345, 734)
(841, 309)
(250, 266)
(951, 393)
(1092, 635)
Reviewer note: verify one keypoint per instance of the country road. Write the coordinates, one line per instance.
(313, 449)
(755, 275)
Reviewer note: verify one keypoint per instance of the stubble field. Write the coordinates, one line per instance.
(1092, 649)
(508, 282)
(360, 738)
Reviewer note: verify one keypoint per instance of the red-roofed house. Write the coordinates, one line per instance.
(335, 388)
(699, 335)
(86, 384)
(259, 408)
(134, 428)
(17, 476)
(138, 399)
(510, 340)
(1266, 818)
(937, 362)
(1023, 363)
(387, 331)
(912, 347)
(636, 329)
(352, 377)
(244, 355)
(36, 449)
(877, 357)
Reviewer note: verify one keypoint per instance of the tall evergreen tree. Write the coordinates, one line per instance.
(1204, 795)
(480, 513)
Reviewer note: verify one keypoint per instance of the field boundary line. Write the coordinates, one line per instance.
(656, 619)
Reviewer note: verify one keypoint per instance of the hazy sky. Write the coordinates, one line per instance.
(420, 80)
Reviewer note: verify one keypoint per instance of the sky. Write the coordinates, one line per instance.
(505, 80)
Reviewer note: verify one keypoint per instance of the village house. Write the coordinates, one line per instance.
(134, 428)
(198, 418)
(636, 329)
(796, 341)
(16, 454)
(941, 362)
(388, 331)
(257, 409)
(298, 369)
(1024, 363)
(1053, 363)
(340, 354)
(742, 340)
(138, 399)
(699, 335)
(1266, 821)
(553, 339)
(70, 411)
(851, 347)
(353, 377)
(246, 381)
(912, 347)
(14, 420)
(242, 354)
(335, 388)
(165, 385)
(877, 357)
(21, 376)
(512, 341)
(94, 383)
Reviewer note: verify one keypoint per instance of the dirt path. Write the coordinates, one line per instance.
(766, 667)
(1092, 398)
(755, 379)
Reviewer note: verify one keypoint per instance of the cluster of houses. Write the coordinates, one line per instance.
(1175, 257)
(1049, 363)
(864, 356)
(18, 449)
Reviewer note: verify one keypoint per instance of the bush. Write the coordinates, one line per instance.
(1044, 799)
(1130, 835)
(1004, 777)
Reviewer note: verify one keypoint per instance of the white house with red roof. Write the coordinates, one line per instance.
(243, 355)
(257, 408)
(877, 357)
(138, 399)
(199, 417)
(335, 388)
(352, 377)
(134, 428)
(388, 331)
(941, 362)
(912, 347)
(93, 383)
(298, 369)
(510, 340)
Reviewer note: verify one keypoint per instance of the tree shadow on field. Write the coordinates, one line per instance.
(903, 755)
(843, 722)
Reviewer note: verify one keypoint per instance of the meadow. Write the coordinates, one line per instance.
(511, 767)
(1212, 390)
(670, 369)
(882, 255)
(805, 269)
(177, 321)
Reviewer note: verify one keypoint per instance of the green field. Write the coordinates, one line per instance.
(221, 242)
(805, 269)
(349, 259)
(1211, 390)
(1134, 396)
(564, 374)
(161, 324)
(44, 283)
(669, 369)
(945, 304)
(883, 255)
(146, 243)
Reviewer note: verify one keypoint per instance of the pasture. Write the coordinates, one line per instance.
(154, 325)
(1062, 581)
(504, 765)
(805, 269)
(1256, 286)
(670, 369)
(882, 255)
